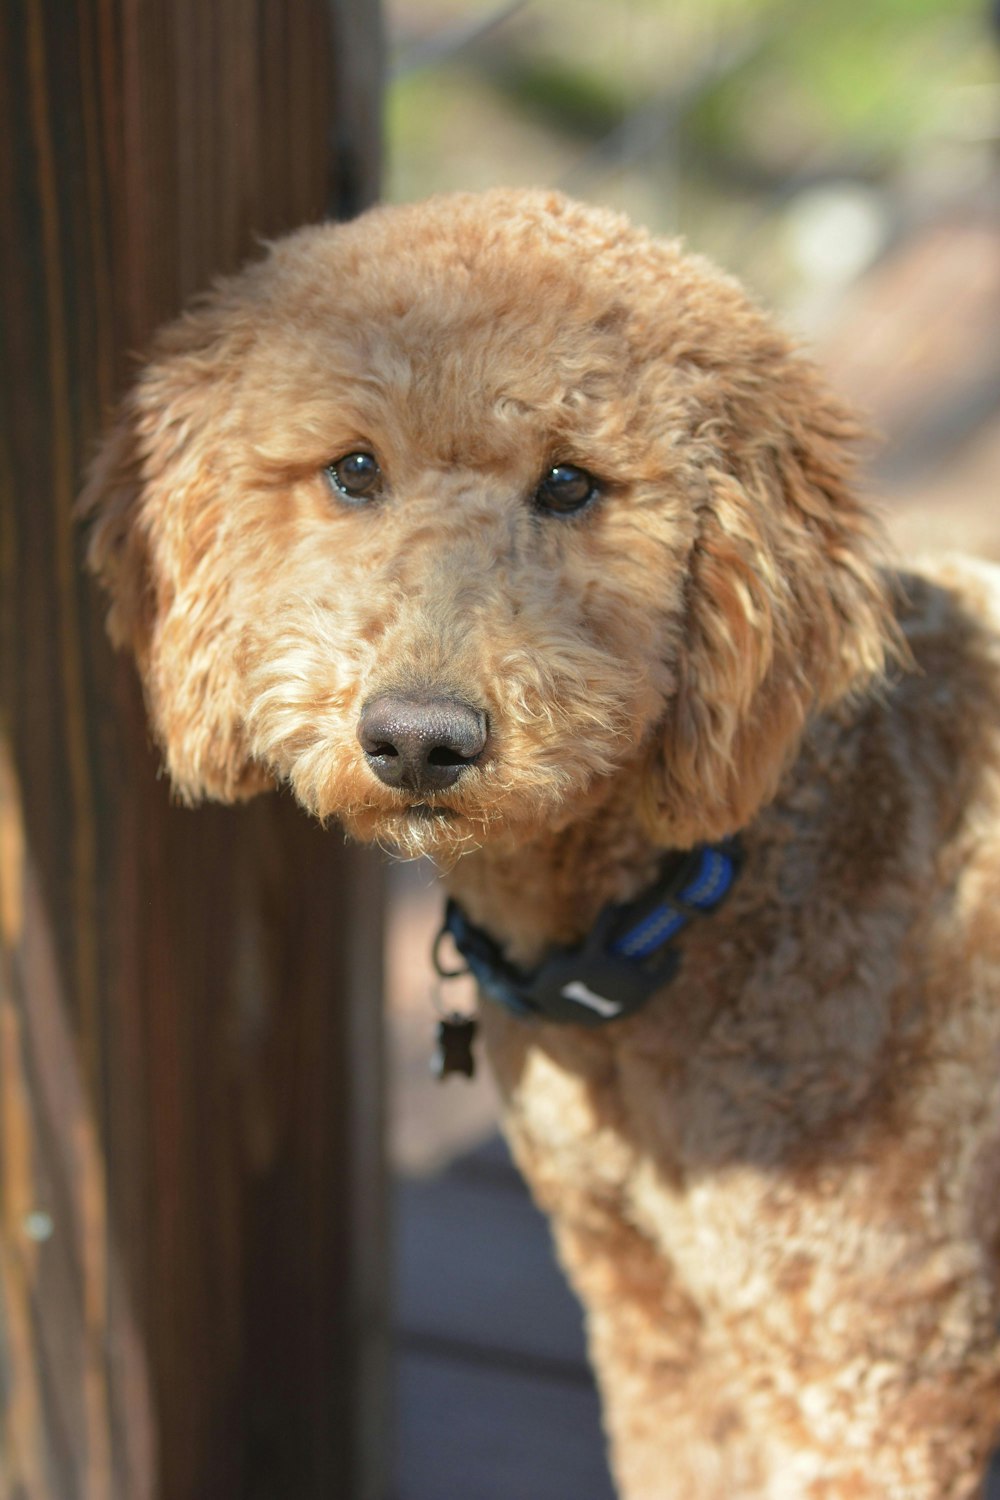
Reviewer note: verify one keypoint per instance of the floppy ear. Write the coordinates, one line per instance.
(786, 608)
(156, 502)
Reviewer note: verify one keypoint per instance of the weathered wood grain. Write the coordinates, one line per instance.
(190, 1189)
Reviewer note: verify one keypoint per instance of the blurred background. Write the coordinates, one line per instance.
(844, 160)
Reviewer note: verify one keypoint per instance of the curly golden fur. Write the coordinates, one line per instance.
(776, 1188)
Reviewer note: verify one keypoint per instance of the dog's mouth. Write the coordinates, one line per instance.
(414, 829)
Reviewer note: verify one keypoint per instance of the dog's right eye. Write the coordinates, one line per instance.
(356, 476)
(565, 490)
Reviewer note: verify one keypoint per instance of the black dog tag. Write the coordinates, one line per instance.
(453, 1051)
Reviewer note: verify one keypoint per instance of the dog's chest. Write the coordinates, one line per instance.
(744, 1099)
(766, 1044)
(713, 1074)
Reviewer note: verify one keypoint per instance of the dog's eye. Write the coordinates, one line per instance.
(565, 489)
(356, 476)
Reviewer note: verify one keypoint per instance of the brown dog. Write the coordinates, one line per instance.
(505, 534)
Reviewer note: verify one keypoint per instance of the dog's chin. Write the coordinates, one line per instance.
(420, 830)
(443, 833)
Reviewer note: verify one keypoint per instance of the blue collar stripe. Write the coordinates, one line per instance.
(658, 928)
(712, 880)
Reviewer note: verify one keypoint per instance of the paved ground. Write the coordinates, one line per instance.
(494, 1397)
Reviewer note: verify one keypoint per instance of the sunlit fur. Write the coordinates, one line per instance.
(776, 1188)
(717, 591)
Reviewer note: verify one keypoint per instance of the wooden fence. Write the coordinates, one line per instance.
(191, 1236)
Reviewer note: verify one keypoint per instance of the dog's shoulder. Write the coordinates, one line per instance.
(946, 705)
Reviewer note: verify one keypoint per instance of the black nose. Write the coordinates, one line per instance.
(422, 744)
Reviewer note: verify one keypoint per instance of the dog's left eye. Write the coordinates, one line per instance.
(565, 489)
(356, 476)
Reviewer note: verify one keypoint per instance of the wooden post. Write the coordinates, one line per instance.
(191, 1236)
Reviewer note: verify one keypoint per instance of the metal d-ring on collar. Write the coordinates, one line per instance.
(625, 958)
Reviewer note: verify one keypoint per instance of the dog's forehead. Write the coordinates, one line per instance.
(497, 322)
(440, 339)
(453, 296)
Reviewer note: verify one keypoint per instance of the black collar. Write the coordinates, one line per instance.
(626, 957)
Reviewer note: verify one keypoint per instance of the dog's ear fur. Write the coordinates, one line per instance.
(155, 504)
(786, 609)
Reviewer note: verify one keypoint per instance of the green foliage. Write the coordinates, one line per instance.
(574, 100)
(692, 114)
(848, 80)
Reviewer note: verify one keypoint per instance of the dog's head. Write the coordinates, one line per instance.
(451, 516)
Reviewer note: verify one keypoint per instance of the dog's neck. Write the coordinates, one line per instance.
(548, 888)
